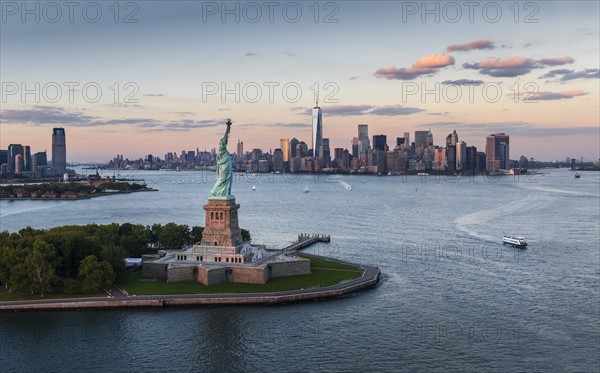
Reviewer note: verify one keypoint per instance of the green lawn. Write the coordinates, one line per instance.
(324, 273)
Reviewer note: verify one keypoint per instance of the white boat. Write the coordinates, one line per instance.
(515, 241)
(253, 187)
(306, 189)
(422, 174)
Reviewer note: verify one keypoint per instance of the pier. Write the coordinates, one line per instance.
(305, 240)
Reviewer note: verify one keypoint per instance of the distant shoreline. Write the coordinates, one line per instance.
(89, 196)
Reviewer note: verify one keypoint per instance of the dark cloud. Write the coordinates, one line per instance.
(40, 115)
(289, 125)
(347, 110)
(565, 75)
(354, 78)
(403, 73)
(475, 44)
(394, 110)
(514, 66)
(188, 124)
(463, 82)
(522, 129)
(355, 110)
(51, 115)
(250, 54)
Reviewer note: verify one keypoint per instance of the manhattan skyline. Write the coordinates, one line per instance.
(177, 54)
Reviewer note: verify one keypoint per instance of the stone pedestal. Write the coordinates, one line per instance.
(221, 228)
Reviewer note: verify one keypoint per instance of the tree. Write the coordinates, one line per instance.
(246, 235)
(39, 272)
(115, 256)
(8, 261)
(174, 237)
(154, 233)
(196, 234)
(94, 274)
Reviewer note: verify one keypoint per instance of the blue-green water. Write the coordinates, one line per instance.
(451, 296)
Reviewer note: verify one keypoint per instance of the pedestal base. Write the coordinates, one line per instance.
(221, 227)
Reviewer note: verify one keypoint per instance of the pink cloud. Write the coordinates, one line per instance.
(510, 62)
(434, 61)
(475, 44)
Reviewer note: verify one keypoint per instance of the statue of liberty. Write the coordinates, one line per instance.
(222, 188)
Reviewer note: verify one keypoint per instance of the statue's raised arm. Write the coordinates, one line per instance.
(222, 187)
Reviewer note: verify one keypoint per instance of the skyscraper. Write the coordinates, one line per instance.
(240, 150)
(491, 162)
(13, 151)
(421, 139)
(293, 144)
(325, 153)
(379, 142)
(502, 150)
(317, 130)
(363, 139)
(497, 152)
(284, 145)
(461, 155)
(59, 150)
(26, 158)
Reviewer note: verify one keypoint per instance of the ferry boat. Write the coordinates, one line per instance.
(515, 241)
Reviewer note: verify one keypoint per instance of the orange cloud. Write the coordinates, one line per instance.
(434, 61)
(510, 62)
(427, 65)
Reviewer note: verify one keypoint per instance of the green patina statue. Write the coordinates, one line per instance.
(222, 188)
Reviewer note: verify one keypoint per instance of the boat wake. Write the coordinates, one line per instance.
(469, 223)
(345, 185)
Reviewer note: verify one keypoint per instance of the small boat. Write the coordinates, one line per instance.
(577, 176)
(253, 187)
(364, 181)
(306, 189)
(515, 241)
(422, 174)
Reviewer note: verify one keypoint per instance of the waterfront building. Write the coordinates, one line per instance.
(59, 151)
(317, 130)
(284, 145)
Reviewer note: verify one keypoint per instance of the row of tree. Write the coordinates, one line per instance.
(83, 259)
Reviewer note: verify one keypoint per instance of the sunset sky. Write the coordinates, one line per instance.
(531, 71)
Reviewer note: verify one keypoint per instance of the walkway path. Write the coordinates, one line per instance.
(369, 279)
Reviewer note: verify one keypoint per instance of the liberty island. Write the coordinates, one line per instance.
(223, 256)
